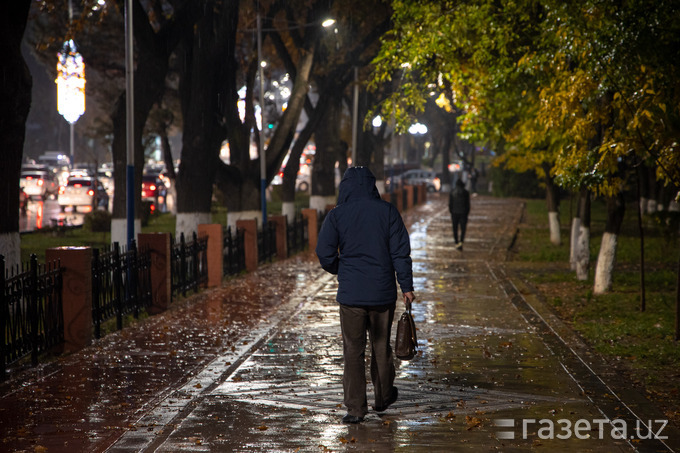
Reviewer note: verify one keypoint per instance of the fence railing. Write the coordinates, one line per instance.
(32, 317)
(189, 264)
(266, 243)
(31, 314)
(233, 252)
(297, 235)
(121, 284)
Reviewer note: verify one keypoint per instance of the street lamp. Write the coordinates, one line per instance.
(70, 86)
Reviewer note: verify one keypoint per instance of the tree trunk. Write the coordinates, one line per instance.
(209, 96)
(583, 243)
(327, 137)
(153, 53)
(607, 257)
(573, 237)
(643, 301)
(15, 102)
(553, 203)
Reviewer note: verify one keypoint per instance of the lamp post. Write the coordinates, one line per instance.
(129, 123)
(70, 84)
(261, 152)
(70, 87)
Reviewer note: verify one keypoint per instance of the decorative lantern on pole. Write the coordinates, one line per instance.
(70, 85)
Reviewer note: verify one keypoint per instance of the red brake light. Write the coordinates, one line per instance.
(62, 189)
(90, 192)
(77, 186)
(41, 182)
(152, 187)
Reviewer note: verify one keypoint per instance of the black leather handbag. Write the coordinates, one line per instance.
(406, 342)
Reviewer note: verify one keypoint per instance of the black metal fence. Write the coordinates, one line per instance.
(297, 235)
(266, 243)
(233, 252)
(31, 315)
(189, 264)
(121, 284)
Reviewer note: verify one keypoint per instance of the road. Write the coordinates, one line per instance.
(44, 214)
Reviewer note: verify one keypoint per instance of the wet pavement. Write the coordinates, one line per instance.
(257, 365)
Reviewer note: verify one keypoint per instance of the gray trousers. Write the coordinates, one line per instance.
(355, 321)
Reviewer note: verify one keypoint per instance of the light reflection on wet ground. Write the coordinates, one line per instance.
(257, 365)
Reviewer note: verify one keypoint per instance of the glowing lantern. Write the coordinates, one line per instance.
(70, 83)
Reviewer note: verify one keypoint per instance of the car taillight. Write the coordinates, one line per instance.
(152, 187)
(62, 189)
(41, 182)
(77, 186)
(90, 192)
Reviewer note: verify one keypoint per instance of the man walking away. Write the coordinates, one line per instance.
(364, 241)
(459, 207)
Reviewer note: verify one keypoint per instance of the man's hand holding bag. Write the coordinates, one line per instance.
(406, 342)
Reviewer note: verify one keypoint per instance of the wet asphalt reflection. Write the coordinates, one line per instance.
(479, 361)
(257, 365)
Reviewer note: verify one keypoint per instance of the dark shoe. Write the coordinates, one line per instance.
(352, 419)
(393, 397)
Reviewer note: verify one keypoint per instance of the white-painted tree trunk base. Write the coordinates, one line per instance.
(643, 204)
(119, 230)
(605, 263)
(319, 202)
(554, 222)
(573, 244)
(10, 248)
(582, 257)
(234, 216)
(187, 223)
(288, 209)
(673, 206)
(380, 184)
(651, 206)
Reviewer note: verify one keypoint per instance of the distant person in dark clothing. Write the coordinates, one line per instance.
(474, 174)
(459, 207)
(364, 241)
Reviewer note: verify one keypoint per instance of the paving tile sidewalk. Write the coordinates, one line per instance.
(257, 366)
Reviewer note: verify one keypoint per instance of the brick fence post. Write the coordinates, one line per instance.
(281, 235)
(215, 255)
(409, 197)
(399, 199)
(161, 280)
(312, 218)
(76, 265)
(249, 227)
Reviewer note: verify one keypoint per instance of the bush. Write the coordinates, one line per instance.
(97, 221)
(509, 183)
(145, 213)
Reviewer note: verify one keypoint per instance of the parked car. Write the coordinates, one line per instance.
(155, 191)
(83, 191)
(39, 184)
(414, 177)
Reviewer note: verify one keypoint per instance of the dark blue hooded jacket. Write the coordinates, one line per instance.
(364, 241)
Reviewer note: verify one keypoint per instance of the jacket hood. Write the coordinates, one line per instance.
(357, 182)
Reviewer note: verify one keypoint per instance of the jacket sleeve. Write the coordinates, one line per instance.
(400, 251)
(327, 245)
